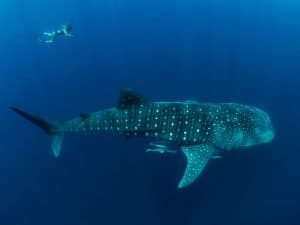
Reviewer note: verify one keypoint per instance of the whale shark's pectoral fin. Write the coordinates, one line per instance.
(197, 157)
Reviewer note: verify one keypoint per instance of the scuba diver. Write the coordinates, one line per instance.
(50, 37)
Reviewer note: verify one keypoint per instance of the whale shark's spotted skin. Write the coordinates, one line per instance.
(224, 126)
(202, 131)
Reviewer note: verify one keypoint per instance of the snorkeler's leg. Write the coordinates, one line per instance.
(47, 34)
(51, 39)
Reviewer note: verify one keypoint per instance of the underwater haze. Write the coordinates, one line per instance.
(245, 52)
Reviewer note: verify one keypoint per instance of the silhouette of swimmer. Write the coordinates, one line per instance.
(65, 30)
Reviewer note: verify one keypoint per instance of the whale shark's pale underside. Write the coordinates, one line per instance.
(200, 130)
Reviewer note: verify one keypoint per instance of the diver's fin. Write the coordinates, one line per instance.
(49, 127)
(197, 157)
(129, 98)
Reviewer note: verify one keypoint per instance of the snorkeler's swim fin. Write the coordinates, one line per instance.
(51, 129)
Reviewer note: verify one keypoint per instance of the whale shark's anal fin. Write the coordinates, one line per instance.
(197, 157)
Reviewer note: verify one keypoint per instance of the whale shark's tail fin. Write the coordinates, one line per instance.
(51, 128)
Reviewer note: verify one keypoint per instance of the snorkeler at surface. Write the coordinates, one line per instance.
(50, 37)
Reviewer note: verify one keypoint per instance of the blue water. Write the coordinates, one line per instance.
(206, 50)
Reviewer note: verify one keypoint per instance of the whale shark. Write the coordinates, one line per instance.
(202, 131)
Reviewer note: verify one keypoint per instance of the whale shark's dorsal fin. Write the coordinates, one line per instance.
(197, 157)
(129, 98)
(84, 116)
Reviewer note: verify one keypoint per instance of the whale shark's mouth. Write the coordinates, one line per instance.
(267, 136)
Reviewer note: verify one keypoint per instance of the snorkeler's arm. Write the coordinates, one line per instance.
(66, 33)
(66, 30)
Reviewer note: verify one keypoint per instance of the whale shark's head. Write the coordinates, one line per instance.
(264, 130)
(237, 126)
(259, 127)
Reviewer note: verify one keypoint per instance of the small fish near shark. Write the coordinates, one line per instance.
(202, 131)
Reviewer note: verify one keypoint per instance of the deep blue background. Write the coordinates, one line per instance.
(207, 50)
